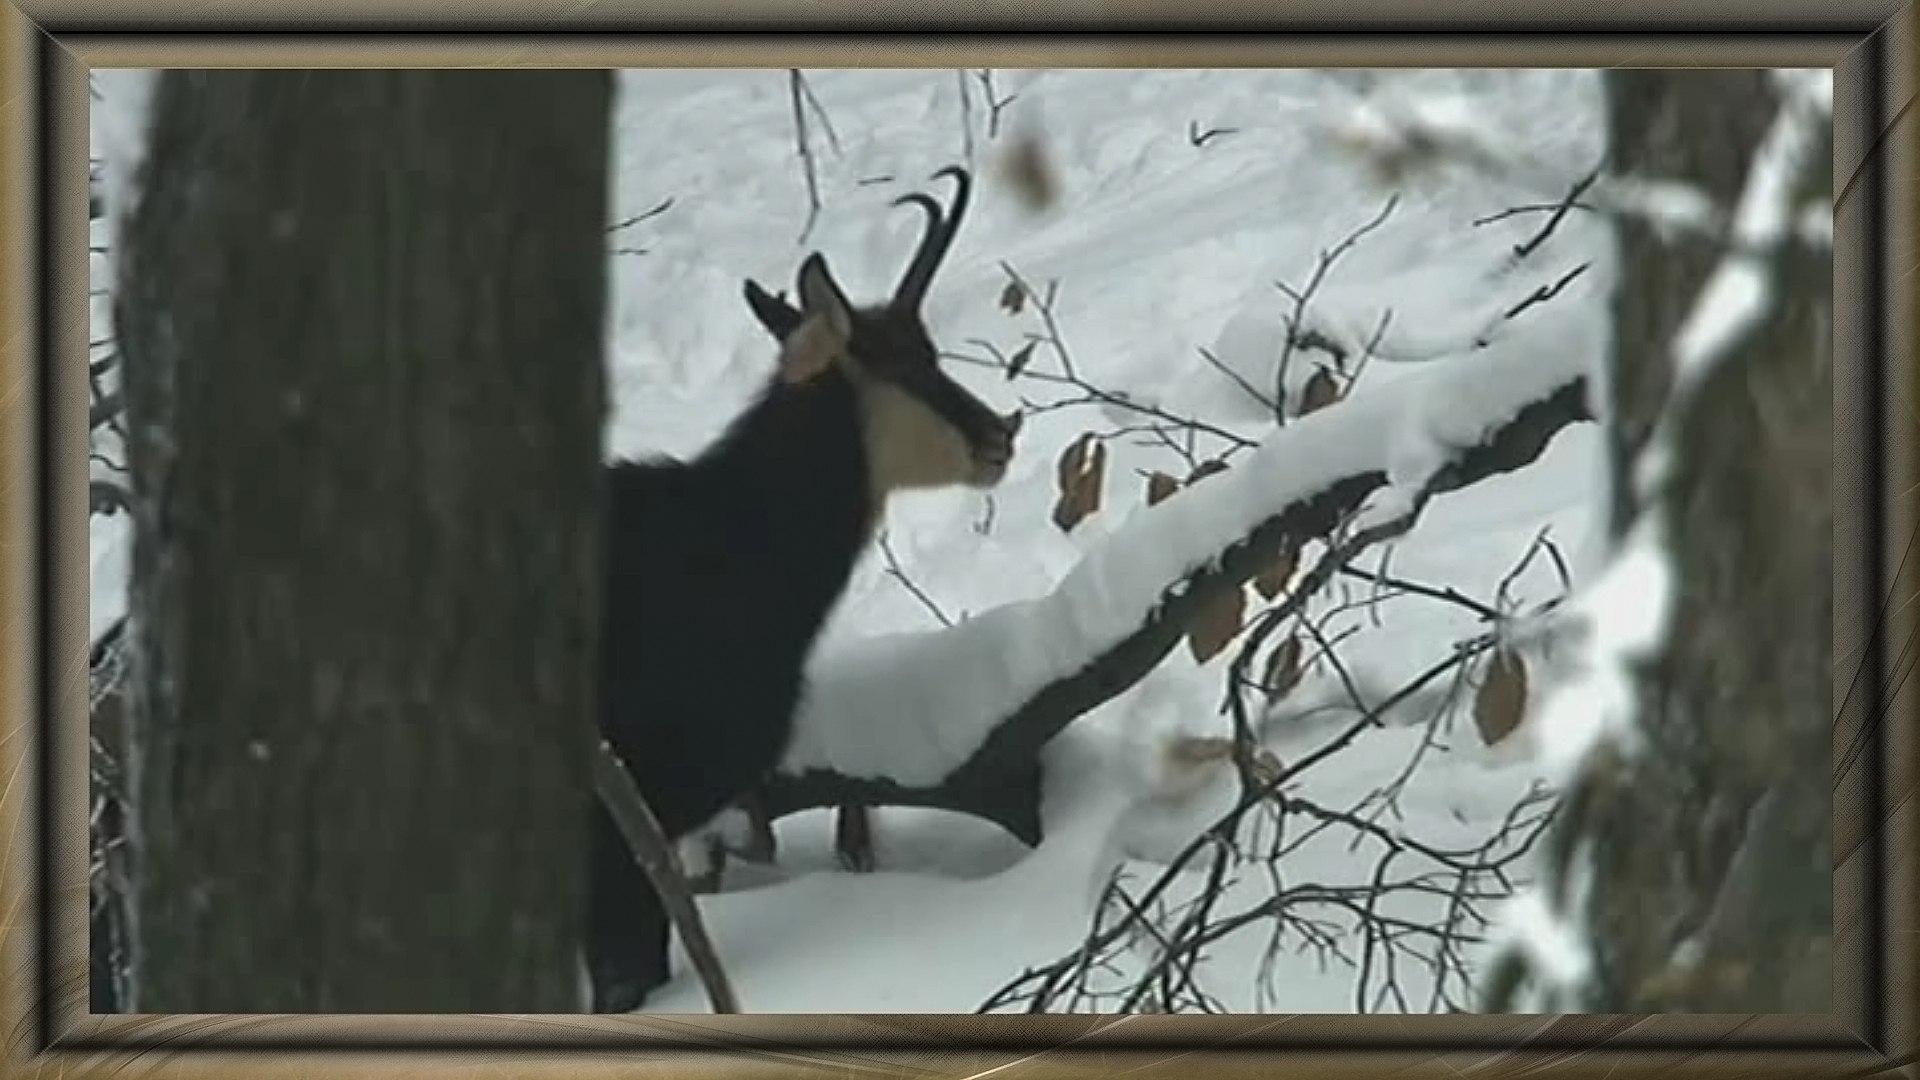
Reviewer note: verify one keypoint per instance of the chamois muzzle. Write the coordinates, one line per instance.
(993, 450)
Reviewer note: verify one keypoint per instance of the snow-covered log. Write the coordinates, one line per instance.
(956, 717)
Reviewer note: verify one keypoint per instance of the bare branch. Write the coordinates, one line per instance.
(798, 91)
(1534, 208)
(1251, 390)
(895, 572)
(995, 104)
(966, 114)
(1296, 319)
(1546, 292)
(1001, 767)
(655, 853)
(659, 208)
(103, 409)
(1199, 138)
(1521, 251)
(1020, 366)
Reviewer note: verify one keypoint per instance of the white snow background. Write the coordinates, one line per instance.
(1160, 248)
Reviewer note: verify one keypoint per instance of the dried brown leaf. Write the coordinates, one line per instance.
(1205, 469)
(1013, 298)
(1028, 170)
(1082, 474)
(1272, 581)
(1020, 360)
(1501, 702)
(1069, 510)
(1321, 391)
(1267, 768)
(1282, 672)
(1217, 623)
(1072, 462)
(1159, 486)
(1094, 477)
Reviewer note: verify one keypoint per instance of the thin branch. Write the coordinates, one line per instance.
(1521, 251)
(1547, 292)
(1535, 208)
(995, 104)
(660, 208)
(1197, 137)
(655, 854)
(1296, 319)
(1252, 390)
(796, 89)
(1445, 594)
(898, 574)
(1020, 366)
(966, 114)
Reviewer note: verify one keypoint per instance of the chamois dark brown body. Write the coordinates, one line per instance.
(721, 571)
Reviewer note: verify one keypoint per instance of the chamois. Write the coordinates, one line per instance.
(720, 571)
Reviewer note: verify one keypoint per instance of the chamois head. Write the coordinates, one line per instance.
(922, 429)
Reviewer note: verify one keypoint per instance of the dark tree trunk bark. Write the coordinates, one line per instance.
(1712, 846)
(362, 314)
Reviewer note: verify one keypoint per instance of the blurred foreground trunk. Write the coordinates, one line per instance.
(361, 313)
(1711, 846)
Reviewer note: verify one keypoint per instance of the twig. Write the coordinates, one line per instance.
(1547, 292)
(1295, 319)
(1446, 594)
(1372, 348)
(1169, 983)
(894, 571)
(994, 104)
(1521, 251)
(654, 852)
(1044, 306)
(1197, 137)
(1252, 390)
(797, 89)
(966, 114)
(819, 112)
(1533, 208)
(104, 409)
(662, 207)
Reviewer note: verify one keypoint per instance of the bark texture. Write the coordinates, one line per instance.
(1712, 847)
(362, 315)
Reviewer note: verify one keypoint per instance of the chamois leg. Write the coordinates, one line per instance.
(627, 926)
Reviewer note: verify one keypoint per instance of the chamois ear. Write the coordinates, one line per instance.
(779, 317)
(826, 324)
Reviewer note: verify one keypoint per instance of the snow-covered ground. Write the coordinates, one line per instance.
(1160, 248)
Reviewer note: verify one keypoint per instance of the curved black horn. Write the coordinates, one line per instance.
(939, 237)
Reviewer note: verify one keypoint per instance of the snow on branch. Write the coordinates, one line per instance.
(944, 717)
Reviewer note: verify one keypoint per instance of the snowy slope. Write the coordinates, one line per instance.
(1160, 248)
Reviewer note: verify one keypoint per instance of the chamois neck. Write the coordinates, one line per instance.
(796, 461)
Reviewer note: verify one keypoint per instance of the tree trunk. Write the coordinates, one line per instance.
(362, 315)
(1712, 845)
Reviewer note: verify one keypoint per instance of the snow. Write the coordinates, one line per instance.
(1739, 293)
(914, 707)
(1159, 248)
